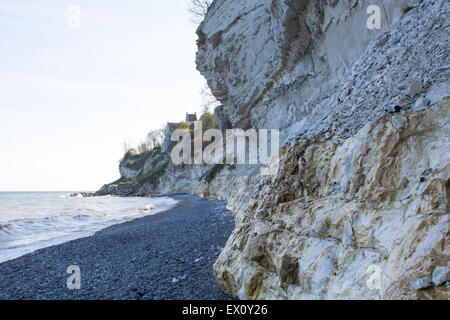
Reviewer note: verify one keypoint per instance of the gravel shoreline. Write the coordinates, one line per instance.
(164, 256)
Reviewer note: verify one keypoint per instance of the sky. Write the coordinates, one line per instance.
(74, 87)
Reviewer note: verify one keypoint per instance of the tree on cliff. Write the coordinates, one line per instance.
(208, 121)
(198, 9)
(126, 146)
(209, 102)
(155, 138)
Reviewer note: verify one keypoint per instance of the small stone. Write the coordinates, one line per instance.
(422, 283)
(441, 275)
(396, 109)
(415, 88)
(404, 184)
(422, 103)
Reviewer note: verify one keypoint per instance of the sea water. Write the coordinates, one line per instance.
(33, 220)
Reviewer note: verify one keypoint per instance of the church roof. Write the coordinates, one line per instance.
(173, 125)
(191, 117)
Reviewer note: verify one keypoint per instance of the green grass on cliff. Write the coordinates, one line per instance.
(122, 179)
(137, 165)
(211, 174)
(153, 175)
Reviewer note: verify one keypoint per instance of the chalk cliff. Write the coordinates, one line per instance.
(363, 187)
(359, 207)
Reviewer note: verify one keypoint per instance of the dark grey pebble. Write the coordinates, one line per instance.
(135, 260)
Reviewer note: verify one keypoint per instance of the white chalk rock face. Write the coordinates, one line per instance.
(293, 64)
(131, 166)
(441, 275)
(356, 218)
(359, 208)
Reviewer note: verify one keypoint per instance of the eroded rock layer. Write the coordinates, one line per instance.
(344, 210)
